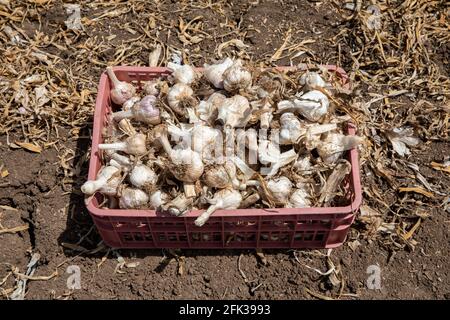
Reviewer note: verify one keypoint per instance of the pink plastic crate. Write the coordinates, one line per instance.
(324, 227)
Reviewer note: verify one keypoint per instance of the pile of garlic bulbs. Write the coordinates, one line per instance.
(226, 137)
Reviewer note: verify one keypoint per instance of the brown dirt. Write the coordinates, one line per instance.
(35, 189)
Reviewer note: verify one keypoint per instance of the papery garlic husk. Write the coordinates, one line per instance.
(141, 175)
(291, 129)
(280, 188)
(234, 112)
(179, 205)
(333, 146)
(145, 111)
(401, 138)
(312, 80)
(121, 91)
(103, 176)
(186, 165)
(180, 97)
(207, 110)
(224, 199)
(182, 73)
(221, 176)
(269, 153)
(214, 72)
(158, 199)
(111, 187)
(300, 198)
(130, 103)
(236, 77)
(313, 105)
(134, 145)
(132, 199)
(303, 164)
(340, 171)
(151, 87)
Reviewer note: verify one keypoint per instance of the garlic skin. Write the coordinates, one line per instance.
(134, 145)
(207, 110)
(333, 146)
(179, 97)
(280, 189)
(122, 91)
(102, 179)
(313, 105)
(224, 199)
(269, 153)
(141, 175)
(299, 199)
(303, 164)
(151, 88)
(312, 80)
(186, 165)
(182, 73)
(132, 199)
(291, 129)
(234, 112)
(158, 199)
(145, 111)
(221, 176)
(236, 78)
(130, 103)
(214, 72)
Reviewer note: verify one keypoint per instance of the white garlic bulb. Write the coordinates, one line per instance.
(332, 147)
(236, 78)
(313, 105)
(180, 97)
(132, 198)
(280, 188)
(102, 179)
(303, 164)
(312, 80)
(221, 176)
(186, 164)
(134, 145)
(226, 199)
(141, 175)
(207, 110)
(151, 88)
(235, 112)
(214, 72)
(182, 73)
(291, 129)
(144, 111)
(121, 91)
(300, 198)
(158, 199)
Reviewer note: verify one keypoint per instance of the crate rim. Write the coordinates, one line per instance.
(132, 213)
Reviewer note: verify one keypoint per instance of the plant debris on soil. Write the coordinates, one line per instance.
(397, 56)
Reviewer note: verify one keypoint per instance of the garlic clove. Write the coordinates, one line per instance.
(312, 80)
(180, 97)
(132, 199)
(121, 91)
(236, 78)
(214, 72)
(141, 175)
(224, 199)
(182, 73)
(103, 176)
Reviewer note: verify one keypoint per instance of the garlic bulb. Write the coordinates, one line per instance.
(182, 73)
(141, 175)
(313, 105)
(158, 199)
(235, 112)
(224, 199)
(312, 80)
(151, 88)
(221, 176)
(214, 72)
(236, 78)
(291, 128)
(103, 177)
(145, 111)
(134, 145)
(332, 147)
(207, 110)
(304, 164)
(186, 164)
(180, 97)
(122, 160)
(122, 91)
(132, 198)
(280, 188)
(299, 199)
